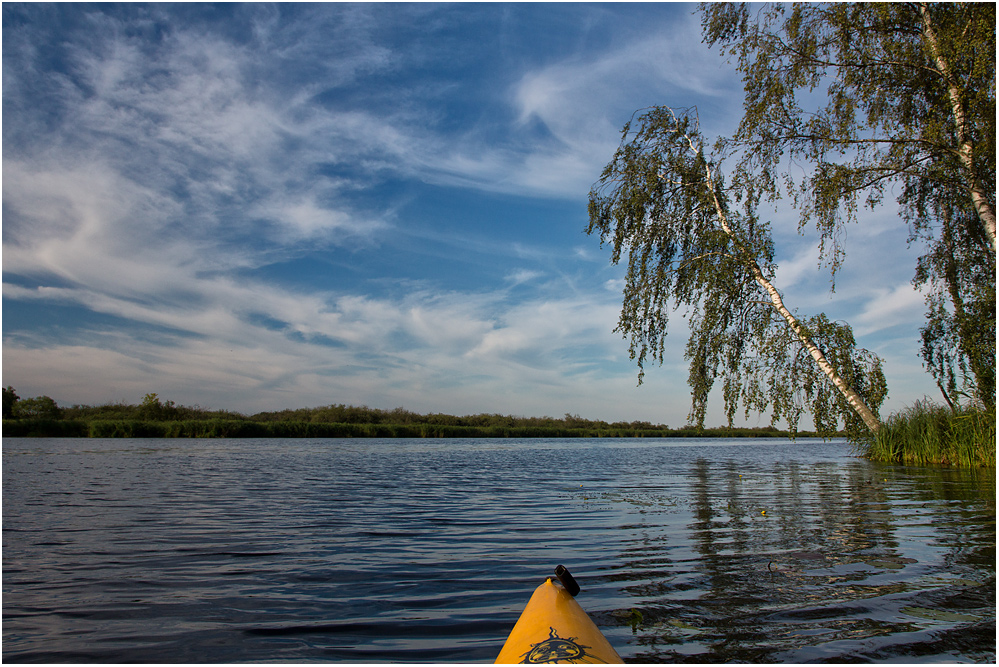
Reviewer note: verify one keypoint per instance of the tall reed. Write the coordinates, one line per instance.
(927, 433)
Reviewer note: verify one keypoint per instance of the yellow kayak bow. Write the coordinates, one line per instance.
(553, 628)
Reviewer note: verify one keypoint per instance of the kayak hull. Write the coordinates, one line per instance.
(554, 629)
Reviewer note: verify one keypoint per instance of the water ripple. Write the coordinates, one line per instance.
(426, 550)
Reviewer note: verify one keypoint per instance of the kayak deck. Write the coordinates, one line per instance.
(553, 628)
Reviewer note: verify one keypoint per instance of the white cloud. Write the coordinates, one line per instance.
(887, 307)
(521, 276)
(801, 267)
(302, 217)
(452, 340)
(580, 103)
(181, 161)
(185, 138)
(615, 285)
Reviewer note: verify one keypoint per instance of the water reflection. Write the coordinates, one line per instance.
(382, 551)
(798, 562)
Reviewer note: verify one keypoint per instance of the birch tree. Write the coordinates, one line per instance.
(693, 242)
(867, 99)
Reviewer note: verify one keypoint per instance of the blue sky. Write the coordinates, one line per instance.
(253, 206)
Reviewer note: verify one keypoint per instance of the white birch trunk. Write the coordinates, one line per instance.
(984, 209)
(852, 397)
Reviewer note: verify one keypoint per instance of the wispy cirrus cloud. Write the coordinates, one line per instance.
(168, 167)
(191, 118)
(417, 349)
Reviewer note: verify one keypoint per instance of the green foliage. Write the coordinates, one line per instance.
(959, 337)
(151, 419)
(932, 434)
(152, 409)
(107, 411)
(871, 98)
(661, 203)
(787, 377)
(120, 421)
(39, 407)
(10, 399)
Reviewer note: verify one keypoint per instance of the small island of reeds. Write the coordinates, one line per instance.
(926, 433)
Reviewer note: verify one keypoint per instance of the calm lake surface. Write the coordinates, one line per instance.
(427, 550)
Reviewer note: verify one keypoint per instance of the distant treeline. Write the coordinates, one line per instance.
(154, 418)
(243, 428)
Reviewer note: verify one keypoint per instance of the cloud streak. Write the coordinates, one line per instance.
(243, 199)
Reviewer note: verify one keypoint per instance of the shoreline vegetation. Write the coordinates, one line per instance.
(241, 428)
(924, 434)
(153, 418)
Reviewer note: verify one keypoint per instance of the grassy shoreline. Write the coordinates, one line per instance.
(925, 434)
(929, 434)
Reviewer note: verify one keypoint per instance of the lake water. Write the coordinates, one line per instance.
(427, 550)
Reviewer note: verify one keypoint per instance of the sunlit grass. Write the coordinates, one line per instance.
(927, 433)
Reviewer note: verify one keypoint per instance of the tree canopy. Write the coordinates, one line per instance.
(871, 96)
(10, 399)
(39, 407)
(693, 241)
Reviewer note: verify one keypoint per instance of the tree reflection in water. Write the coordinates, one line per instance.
(804, 562)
